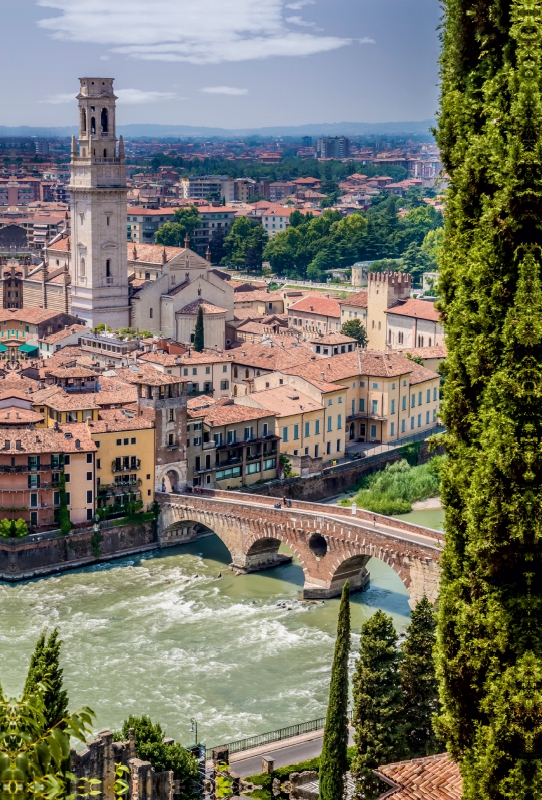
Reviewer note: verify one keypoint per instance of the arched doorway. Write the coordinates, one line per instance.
(171, 482)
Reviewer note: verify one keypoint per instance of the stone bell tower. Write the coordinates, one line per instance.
(98, 193)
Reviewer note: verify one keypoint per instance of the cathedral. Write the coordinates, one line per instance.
(92, 272)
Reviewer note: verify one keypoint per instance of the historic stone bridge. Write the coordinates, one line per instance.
(331, 543)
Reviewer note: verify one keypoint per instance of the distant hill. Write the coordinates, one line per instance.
(317, 129)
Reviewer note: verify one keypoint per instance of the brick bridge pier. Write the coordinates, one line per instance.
(332, 544)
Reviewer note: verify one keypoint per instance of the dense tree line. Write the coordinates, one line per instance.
(395, 696)
(311, 245)
(290, 168)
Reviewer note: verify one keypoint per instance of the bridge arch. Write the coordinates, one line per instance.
(263, 552)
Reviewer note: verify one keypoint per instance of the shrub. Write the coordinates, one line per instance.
(394, 489)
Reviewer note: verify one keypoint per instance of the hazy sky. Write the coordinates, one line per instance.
(227, 63)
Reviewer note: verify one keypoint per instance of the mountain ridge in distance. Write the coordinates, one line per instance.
(136, 130)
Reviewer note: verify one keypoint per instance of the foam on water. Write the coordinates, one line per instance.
(163, 635)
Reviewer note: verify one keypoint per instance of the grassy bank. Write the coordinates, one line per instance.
(394, 489)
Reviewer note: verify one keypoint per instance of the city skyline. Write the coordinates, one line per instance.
(290, 63)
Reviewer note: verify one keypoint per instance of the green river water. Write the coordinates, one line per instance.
(161, 634)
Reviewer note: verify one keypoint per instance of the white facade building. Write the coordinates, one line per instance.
(99, 287)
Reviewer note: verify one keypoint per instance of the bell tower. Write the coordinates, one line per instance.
(98, 197)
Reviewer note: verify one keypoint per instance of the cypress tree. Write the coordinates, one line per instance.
(418, 682)
(44, 666)
(490, 612)
(333, 761)
(199, 340)
(377, 715)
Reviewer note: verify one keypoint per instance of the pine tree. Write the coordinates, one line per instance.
(199, 336)
(418, 682)
(333, 761)
(490, 610)
(377, 715)
(45, 667)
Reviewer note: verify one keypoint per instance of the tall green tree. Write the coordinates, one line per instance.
(173, 234)
(333, 761)
(354, 328)
(45, 668)
(377, 717)
(490, 611)
(199, 332)
(419, 683)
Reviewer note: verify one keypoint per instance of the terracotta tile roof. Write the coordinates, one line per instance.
(164, 359)
(63, 401)
(422, 309)
(253, 327)
(25, 315)
(324, 306)
(333, 338)
(359, 299)
(53, 338)
(248, 287)
(18, 383)
(247, 297)
(285, 401)
(437, 351)
(215, 209)
(118, 420)
(142, 212)
(372, 363)
(247, 314)
(62, 439)
(13, 415)
(71, 372)
(270, 357)
(230, 414)
(121, 396)
(63, 245)
(208, 308)
(151, 253)
(421, 374)
(432, 778)
(147, 375)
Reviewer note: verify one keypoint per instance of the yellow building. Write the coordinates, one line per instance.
(311, 416)
(125, 458)
(57, 405)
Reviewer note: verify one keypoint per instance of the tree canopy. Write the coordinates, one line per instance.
(490, 609)
(173, 234)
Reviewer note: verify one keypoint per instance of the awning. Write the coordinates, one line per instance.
(27, 348)
(3, 348)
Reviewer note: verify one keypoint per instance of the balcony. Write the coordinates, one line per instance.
(366, 415)
(24, 468)
(109, 487)
(115, 467)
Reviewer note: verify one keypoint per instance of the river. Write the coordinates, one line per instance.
(161, 634)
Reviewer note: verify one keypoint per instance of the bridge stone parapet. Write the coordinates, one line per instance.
(331, 547)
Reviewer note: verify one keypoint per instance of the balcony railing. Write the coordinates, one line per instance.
(22, 468)
(125, 468)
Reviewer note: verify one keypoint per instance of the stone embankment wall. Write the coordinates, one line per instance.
(329, 484)
(34, 556)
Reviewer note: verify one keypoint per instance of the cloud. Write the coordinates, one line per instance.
(224, 90)
(127, 96)
(299, 4)
(202, 32)
(300, 21)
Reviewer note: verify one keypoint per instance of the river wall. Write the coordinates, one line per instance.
(48, 553)
(336, 481)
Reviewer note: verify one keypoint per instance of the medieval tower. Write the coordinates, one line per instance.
(384, 289)
(99, 287)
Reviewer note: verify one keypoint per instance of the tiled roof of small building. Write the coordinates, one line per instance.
(420, 309)
(431, 778)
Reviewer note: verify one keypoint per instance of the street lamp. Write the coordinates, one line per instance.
(194, 728)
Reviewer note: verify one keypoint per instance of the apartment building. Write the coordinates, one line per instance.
(203, 187)
(333, 147)
(125, 458)
(276, 219)
(212, 218)
(229, 445)
(354, 307)
(205, 373)
(252, 360)
(32, 461)
(142, 223)
(387, 396)
(315, 314)
(291, 395)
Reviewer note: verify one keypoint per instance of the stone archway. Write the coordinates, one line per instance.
(171, 480)
(264, 553)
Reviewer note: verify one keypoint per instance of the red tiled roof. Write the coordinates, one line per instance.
(324, 306)
(151, 253)
(431, 778)
(208, 308)
(13, 415)
(359, 299)
(422, 309)
(53, 338)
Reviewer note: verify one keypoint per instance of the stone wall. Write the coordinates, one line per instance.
(21, 559)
